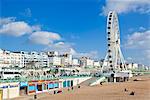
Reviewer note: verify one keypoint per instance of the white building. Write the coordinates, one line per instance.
(39, 59)
(4, 58)
(135, 66)
(66, 59)
(83, 61)
(16, 59)
(25, 58)
(132, 66)
(89, 62)
(97, 64)
(129, 66)
(75, 62)
(143, 67)
(35, 59)
(10, 59)
(86, 62)
(54, 58)
(56, 61)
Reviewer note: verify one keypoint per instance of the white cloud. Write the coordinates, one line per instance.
(44, 37)
(139, 44)
(140, 40)
(15, 28)
(61, 47)
(6, 20)
(142, 28)
(36, 28)
(125, 6)
(11, 27)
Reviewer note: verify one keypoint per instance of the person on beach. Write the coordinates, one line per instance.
(132, 93)
(125, 90)
(72, 87)
(101, 83)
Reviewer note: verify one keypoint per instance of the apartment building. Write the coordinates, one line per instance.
(75, 62)
(54, 58)
(66, 59)
(97, 64)
(86, 62)
(35, 59)
(10, 59)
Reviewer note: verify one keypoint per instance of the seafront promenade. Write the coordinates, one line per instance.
(106, 91)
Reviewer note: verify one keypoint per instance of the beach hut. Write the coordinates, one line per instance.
(50, 85)
(45, 86)
(60, 84)
(31, 88)
(68, 83)
(39, 86)
(64, 84)
(23, 88)
(71, 83)
(56, 84)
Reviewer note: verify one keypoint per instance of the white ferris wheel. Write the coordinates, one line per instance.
(114, 60)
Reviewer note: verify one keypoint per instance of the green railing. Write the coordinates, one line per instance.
(37, 78)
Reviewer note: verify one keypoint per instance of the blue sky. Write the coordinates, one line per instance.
(77, 24)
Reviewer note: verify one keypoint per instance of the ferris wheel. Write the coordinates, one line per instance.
(114, 60)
